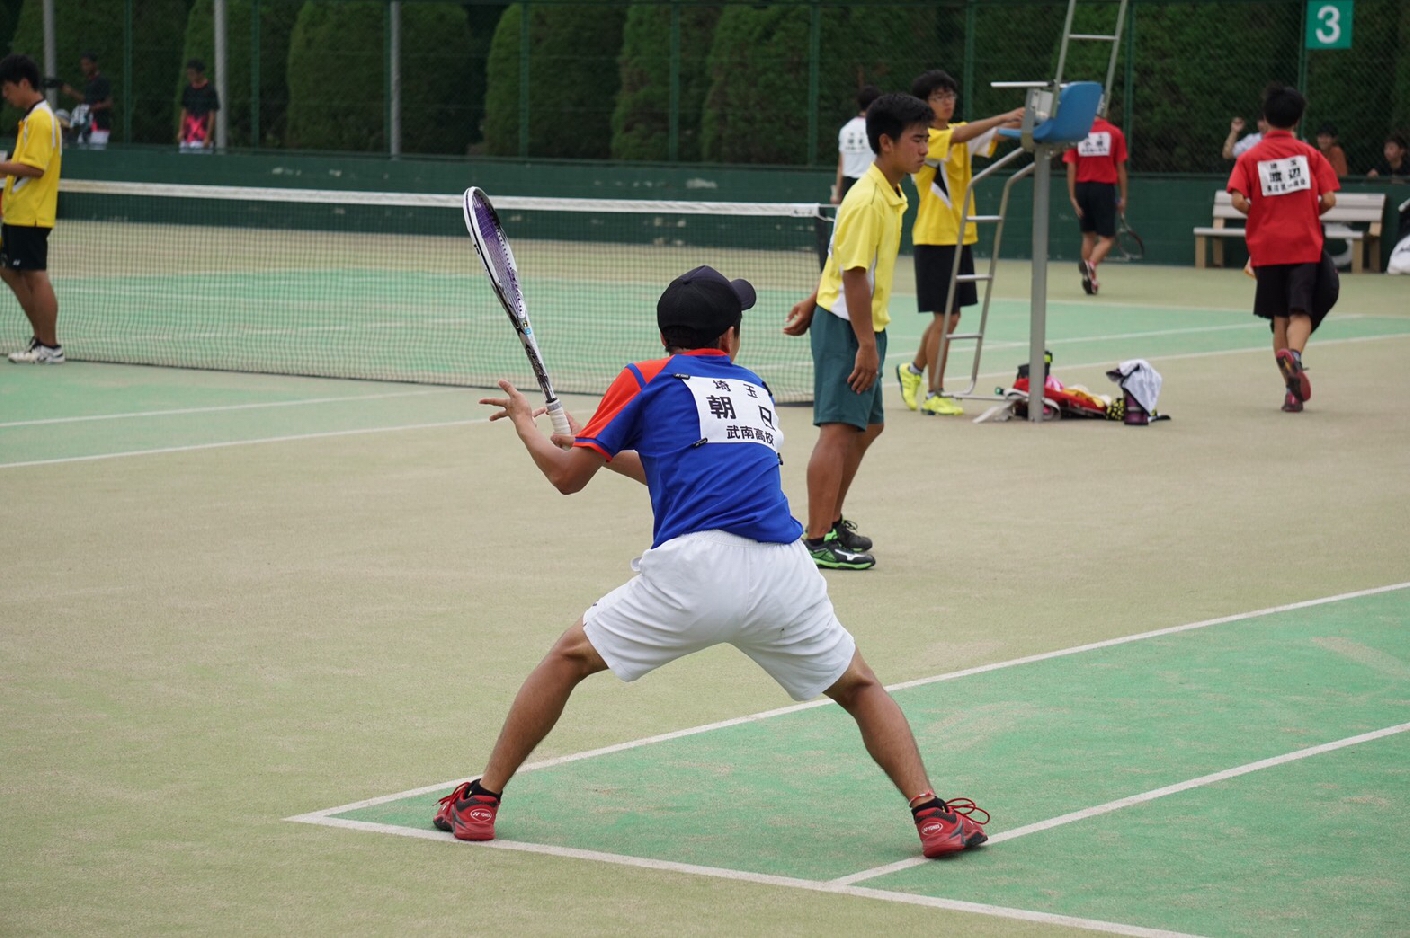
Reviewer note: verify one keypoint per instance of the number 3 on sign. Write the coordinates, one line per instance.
(1329, 24)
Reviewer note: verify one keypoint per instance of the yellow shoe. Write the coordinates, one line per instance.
(910, 385)
(936, 405)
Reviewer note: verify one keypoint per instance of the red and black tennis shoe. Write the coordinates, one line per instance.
(467, 815)
(1298, 384)
(947, 827)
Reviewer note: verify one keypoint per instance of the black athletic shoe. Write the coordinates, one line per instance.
(848, 537)
(831, 555)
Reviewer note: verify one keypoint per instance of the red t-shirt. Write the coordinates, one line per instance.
(1284, 179)
(1098, 155)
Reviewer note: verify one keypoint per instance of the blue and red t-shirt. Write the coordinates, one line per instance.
(709, 440)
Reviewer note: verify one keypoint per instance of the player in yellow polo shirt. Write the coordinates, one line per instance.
(30, 201)
(936, 235)
(848, 314)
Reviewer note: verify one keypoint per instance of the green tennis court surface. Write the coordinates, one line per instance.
(1308, 846)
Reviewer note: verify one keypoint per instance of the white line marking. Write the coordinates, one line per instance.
(227, 443)
(229, 407)
(1142, 798)
(904, 685)
(762, 879)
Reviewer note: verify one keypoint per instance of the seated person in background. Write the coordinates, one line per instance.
(1233, 146)
(1397, 159)
(1327, 143)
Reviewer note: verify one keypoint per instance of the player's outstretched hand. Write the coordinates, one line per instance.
(800, 317)
(1014, 118)
(515, 406)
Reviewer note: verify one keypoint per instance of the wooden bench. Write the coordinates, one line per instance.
(1351, 208)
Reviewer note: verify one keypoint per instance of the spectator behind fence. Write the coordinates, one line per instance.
(199, 103)
(97, 96)
(1233, 146)
(854, 153)
(1327, 143)
(1396, 163)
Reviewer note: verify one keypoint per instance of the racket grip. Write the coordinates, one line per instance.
(559, 418)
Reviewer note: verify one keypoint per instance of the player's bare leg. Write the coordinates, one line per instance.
(885, 731)
(1089, 241)
(1100, 250)
(934, 352)
(860, 443)
(1290, 335)
(36, 297)
(540, 703)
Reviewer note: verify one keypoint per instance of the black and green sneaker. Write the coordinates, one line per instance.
(829, 554)
(849, 537)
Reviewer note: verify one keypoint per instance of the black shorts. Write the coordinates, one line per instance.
(1306, 288)
(1098, 203)
(934, 263)
(847, 183)
(24, 247)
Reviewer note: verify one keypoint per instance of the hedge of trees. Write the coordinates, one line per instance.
(599, 71)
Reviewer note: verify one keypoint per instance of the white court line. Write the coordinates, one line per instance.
(904, 685)
(846, 885)
(228, 407)
(228, 443)
(762, 879)
(1144, 797)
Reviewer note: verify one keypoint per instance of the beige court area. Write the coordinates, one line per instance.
(230, 599)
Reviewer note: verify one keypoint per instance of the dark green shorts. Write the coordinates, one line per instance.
(834, 357)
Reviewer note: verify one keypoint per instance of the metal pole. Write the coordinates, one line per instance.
(814, 53)
(255, 134)
(394, 79)
(127, 16)
(222, 116)
(1038, 308)
(51, 57)
(1128, 89)
(967, 105)
(673, 134)
(1302, 54)
(524, 78)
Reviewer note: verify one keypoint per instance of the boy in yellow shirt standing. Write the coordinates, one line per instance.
(936, 234)
(848, 314)
(31, 200)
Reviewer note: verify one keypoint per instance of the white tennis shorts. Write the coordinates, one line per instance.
(711, 588)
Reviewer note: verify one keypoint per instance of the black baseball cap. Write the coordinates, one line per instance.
(704, 300)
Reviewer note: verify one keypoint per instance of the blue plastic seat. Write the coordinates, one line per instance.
(1077, 109)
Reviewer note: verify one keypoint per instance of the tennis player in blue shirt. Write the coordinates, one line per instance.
(726, 563)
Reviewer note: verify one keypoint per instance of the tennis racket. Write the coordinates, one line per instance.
(1129, 246)
(482, 222)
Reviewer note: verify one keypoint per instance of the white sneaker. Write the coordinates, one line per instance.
(38, 354)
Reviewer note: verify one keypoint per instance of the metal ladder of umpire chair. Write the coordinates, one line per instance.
(1042, 134)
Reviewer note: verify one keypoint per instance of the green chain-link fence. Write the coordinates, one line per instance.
(735, 83)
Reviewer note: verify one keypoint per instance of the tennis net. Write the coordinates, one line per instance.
(386, 286)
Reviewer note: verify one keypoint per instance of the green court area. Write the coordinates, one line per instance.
(793, 795)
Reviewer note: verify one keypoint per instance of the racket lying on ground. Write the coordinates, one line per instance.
(1129, 246)
(493, 247)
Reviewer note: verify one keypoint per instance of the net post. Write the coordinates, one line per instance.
(673, 134)
(127, 15)
(525, 12)
(814, 53)
(255, 134)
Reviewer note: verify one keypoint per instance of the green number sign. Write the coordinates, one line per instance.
(1329, 24)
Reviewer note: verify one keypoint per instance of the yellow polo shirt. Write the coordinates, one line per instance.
(941, 183)
(31, 201)
(867, 234)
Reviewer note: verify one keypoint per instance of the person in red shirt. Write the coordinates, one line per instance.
(1096, 170)
(1284, 186)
